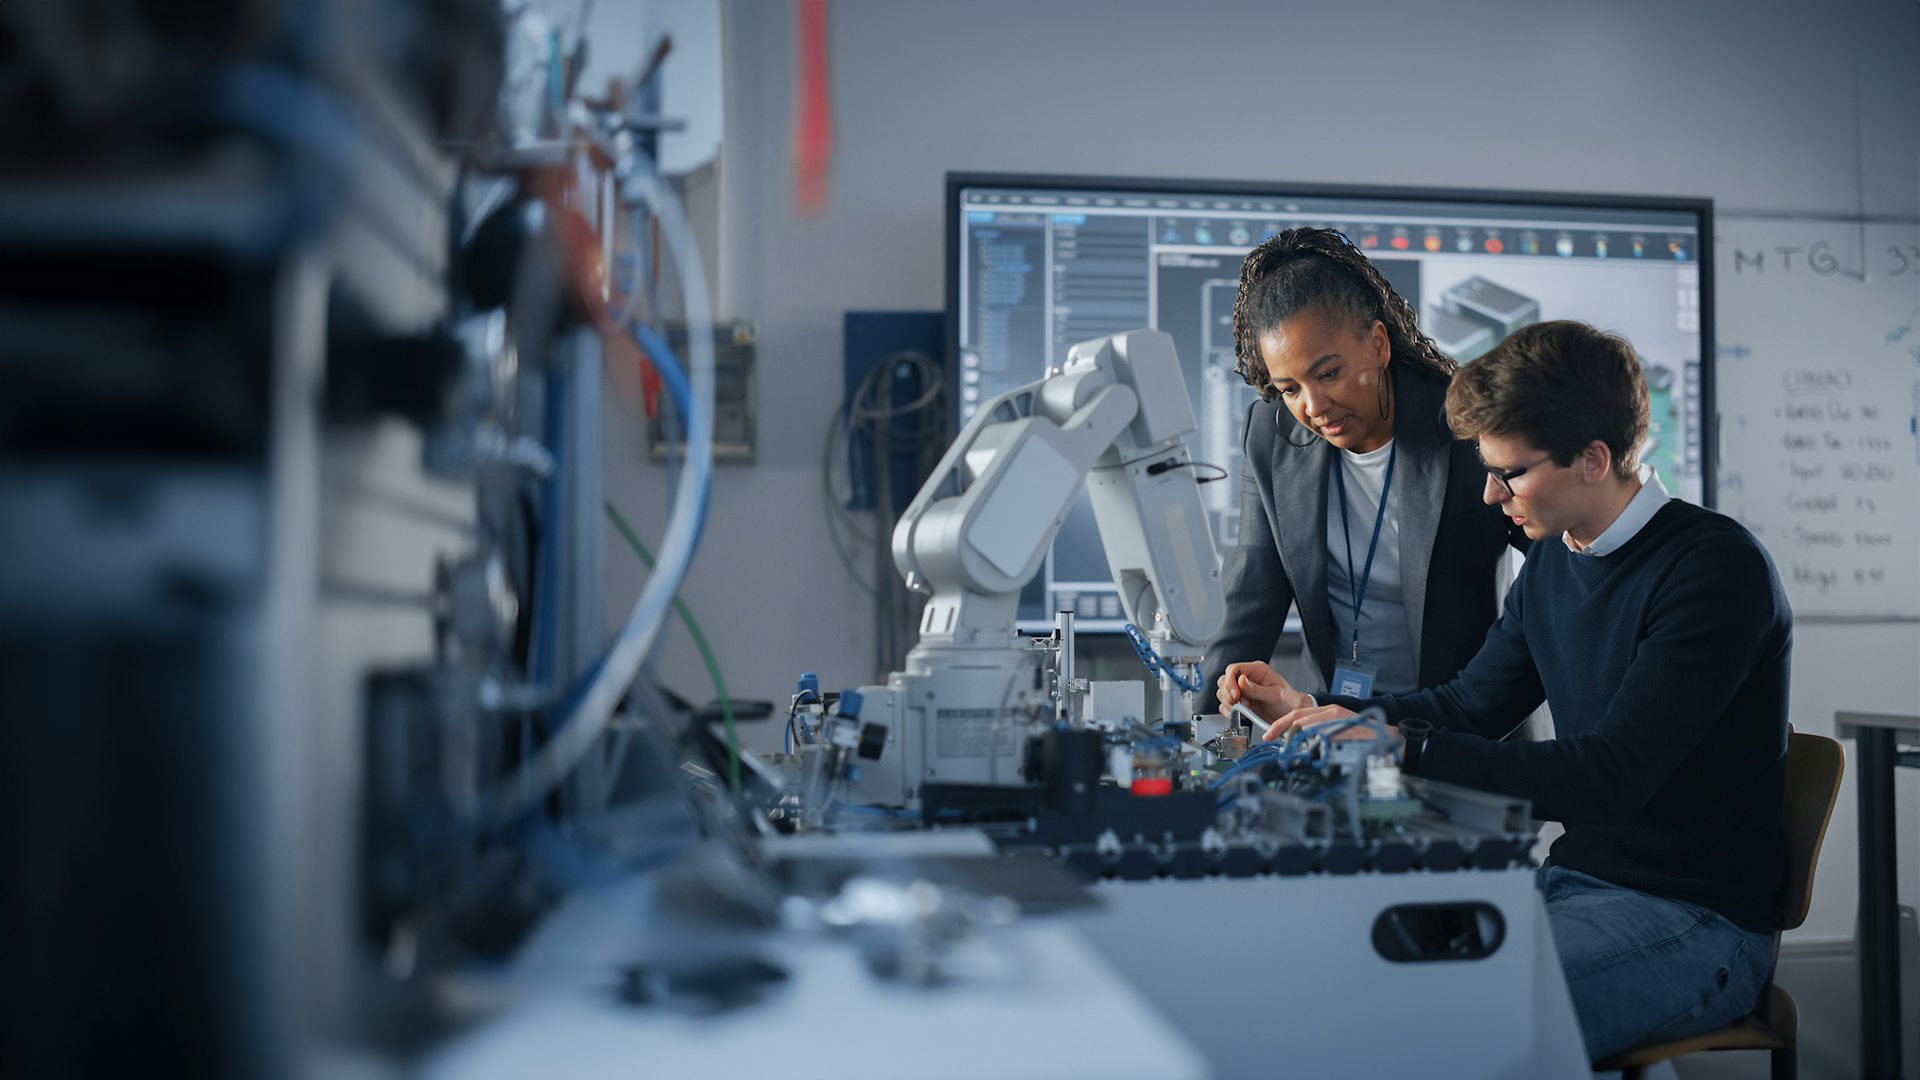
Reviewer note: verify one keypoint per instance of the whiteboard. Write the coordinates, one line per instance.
(1817, 381)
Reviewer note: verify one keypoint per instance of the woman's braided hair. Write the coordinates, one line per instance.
(1319, 269)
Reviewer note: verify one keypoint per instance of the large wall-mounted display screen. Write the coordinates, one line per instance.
(1036, 264)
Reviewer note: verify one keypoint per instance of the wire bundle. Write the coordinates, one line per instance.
(583, 724)
(1144, 650)
(1303, 744)
(867, 411)
(794, 717)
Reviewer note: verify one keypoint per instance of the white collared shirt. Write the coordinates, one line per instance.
(1645, 503)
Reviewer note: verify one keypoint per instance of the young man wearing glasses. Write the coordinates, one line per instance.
(1660, 635)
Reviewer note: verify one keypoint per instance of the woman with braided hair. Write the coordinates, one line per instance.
(1358, 506)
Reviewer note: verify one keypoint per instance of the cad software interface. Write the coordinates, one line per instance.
(1043, 267)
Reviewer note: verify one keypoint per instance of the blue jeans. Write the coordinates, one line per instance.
(1645, 968)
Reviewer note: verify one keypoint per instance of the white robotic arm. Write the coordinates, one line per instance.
(1116, 414)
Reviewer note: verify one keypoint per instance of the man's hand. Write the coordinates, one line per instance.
(1326, 714)
(1307, 717)
(1261, 688)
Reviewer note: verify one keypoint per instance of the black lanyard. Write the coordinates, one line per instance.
(1360, 584)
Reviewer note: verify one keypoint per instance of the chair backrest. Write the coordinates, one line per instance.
(1814, 765)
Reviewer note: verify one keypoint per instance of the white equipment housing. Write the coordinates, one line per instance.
(1116, 415)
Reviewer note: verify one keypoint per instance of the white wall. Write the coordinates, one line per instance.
(620, 35)
(1752, 104)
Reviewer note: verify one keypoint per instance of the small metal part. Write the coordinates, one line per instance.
(1256, 725)
(1152, 773)
(1295, 818)
(478, 606)
(1213, 843)
(1479, 810)
(1064, 711)
(1150, 763)
(1383, 778)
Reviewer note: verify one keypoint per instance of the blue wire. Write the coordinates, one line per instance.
(1334, 728)
(794, 716)
(1281, 753)
(1258, 756)
(547, 581)
(1154, 662)
(546, 615)
(674, 375)
(1263, 754)
(561, 707)
(663, 358)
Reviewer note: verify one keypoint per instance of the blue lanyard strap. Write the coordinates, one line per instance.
(1360, 584)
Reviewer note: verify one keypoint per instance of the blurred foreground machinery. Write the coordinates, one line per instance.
(303, 352)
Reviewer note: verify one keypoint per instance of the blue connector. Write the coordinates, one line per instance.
(850, 701)
(809, 684)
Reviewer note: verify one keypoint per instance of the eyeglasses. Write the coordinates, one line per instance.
(1508, 476)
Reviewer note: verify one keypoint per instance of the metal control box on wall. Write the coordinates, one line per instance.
(735, 423)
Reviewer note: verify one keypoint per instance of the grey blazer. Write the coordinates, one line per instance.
(1450, 540)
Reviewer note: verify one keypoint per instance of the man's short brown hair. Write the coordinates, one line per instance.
(1558, 385)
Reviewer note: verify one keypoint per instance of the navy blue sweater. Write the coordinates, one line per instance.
(1665, 663)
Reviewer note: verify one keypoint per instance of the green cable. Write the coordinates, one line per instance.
(699, 640)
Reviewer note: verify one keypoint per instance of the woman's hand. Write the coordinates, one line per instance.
(1261, 688)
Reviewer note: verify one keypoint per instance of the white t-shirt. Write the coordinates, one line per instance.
(1385, 643)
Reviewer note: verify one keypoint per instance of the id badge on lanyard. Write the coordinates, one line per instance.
(1353, 678)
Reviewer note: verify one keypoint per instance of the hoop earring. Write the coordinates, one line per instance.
(1280, 426)
(1383, 395)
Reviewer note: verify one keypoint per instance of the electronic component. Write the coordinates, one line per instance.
(1458, 336)
(1502, 309)
(1257, 727)
(734, 422)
